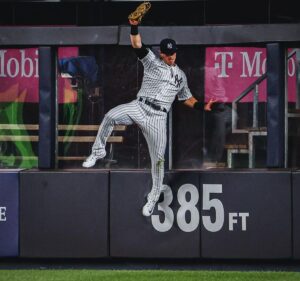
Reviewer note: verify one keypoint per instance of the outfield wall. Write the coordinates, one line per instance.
(202, 214)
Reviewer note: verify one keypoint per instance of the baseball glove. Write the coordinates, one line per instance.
(140, 12)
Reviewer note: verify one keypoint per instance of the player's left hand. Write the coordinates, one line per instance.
(208, 106)
(133, 22)
(140, 12)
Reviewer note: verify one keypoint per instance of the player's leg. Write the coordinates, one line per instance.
(155, 134)
(121, 115)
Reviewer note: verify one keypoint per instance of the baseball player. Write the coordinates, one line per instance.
(163, 80)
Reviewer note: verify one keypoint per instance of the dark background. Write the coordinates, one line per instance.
(85, 13)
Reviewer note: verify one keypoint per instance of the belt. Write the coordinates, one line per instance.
(153, 105)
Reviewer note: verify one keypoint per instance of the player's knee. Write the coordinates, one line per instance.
(160, 163)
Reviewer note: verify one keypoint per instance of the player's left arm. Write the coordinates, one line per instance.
(136, 41)
(194, 103)
(189, 100)
(135, 37)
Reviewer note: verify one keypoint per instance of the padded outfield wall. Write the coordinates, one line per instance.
(202, 214)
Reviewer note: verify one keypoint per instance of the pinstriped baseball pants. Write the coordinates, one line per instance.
(153, 126)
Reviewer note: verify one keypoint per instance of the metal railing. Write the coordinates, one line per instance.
(252, 87)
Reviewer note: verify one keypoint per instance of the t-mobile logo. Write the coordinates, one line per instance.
(222, 63)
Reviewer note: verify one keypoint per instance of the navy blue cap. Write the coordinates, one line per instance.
(168, 46)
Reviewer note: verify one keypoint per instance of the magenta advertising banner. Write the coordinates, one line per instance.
(19, 79)
(231, 70)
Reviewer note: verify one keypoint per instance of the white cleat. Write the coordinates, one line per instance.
(149, 208)
(92, 159)
(151, 193)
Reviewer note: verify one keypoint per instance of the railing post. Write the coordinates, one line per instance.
(255, 107)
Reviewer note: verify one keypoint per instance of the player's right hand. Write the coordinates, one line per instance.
(208, 106)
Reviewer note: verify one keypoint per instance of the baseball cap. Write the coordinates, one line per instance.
(168, 46)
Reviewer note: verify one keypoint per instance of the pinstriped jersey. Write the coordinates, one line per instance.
(162, 83)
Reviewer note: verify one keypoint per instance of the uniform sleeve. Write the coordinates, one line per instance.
(141, 52)
(185, 92)
(148, 59)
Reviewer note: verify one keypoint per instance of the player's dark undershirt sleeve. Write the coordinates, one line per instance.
(141, 52)
(197, 105)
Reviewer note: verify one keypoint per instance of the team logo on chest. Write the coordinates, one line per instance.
(177, 81)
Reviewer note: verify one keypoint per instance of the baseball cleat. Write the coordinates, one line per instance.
(149, 208)
(92, 159)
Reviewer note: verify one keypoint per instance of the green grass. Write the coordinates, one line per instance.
(143, 275)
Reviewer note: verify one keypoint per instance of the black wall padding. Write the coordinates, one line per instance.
(135, 236)
(64, 214)
(264, 198)
(275, 105)
(47, 105)
(9, 213)
(296, 214)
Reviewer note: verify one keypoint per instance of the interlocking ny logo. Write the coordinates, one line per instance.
(169, 46)
(178, 81)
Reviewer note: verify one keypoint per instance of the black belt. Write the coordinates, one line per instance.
(153, 105)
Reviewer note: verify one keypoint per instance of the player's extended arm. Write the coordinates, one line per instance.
(136, 40)
(193, 103)
(135, 37)
(134, 19)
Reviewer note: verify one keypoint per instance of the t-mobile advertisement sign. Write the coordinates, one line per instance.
(231, 70)
(19, 76)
